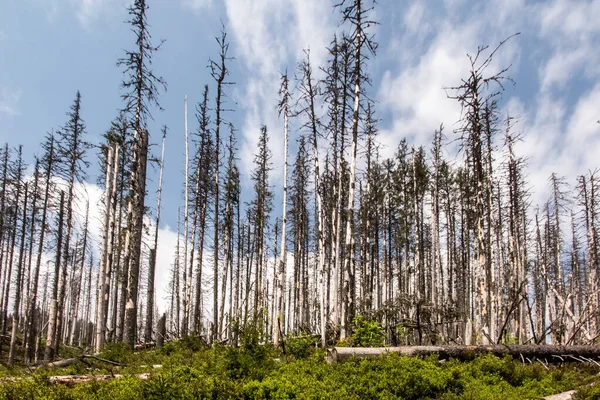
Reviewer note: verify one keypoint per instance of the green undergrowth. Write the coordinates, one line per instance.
(190, 370)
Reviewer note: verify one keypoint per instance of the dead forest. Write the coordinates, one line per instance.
(441, 244)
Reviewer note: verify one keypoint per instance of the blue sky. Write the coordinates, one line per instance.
(49, 49)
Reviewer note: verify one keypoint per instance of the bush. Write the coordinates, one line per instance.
(367, 333)
(252, 359)
(300, 347)
(117, 352)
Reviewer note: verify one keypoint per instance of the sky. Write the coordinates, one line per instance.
(49, 49)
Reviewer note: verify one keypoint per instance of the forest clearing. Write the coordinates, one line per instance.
(312, 261)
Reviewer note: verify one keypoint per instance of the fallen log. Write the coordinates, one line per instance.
(70, 361)
(71, 380)
(561, 396)
(144, 346)
(522, 352)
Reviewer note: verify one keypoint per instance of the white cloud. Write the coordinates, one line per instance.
(270, 36)
(558, 121)
(574, 19)
(196, 5)
(165, 256)
(413, 18)
(561, 67)
(88, 12)
(50, 7)
(415, 96)
(9, 101)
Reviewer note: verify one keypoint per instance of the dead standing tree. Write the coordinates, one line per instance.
(476, 94)
(354, 12)
(140, 92)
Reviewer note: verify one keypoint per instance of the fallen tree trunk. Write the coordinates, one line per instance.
(144, 346)
(522, 352)
(69, 361)
(71, 380)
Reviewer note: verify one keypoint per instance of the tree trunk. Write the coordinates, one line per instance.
(557, 354)
(152, 264)
(20, 268)
(134, 233)
(51, 336)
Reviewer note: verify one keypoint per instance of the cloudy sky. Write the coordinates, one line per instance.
(49, 49)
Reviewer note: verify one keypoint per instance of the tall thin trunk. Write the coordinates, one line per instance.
(51, 336)
(152, 266)
(348, 301)
(281, 279)
(134, 233)
(78, 280)
(187, 288)
(20, 268)
(11, 248)
(31, 313)
(104, 272)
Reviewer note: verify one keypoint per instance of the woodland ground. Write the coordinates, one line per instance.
(190, 370)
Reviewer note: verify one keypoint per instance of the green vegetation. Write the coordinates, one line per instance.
(191, 370)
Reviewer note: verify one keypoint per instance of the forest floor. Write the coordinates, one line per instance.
(189, 370)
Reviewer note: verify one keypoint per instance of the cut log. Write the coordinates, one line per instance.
(521, 352)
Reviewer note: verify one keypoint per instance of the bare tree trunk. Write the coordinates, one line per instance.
(219, 72)
(152, 266)
(78, 280)
(134, 233)
(51, 336)
(360, 41)
(20, 268)
(11, 248)
(187, 288)
(32, 295)
(280, 323)
(104, 272)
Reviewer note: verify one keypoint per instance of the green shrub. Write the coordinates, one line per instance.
(366, 333)
(117, 352)
(252, 359)
(301, 346)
